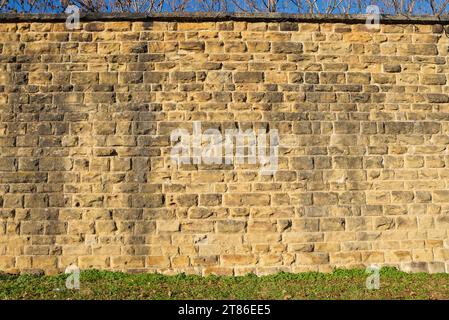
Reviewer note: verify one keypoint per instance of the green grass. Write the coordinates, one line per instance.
(341, 284)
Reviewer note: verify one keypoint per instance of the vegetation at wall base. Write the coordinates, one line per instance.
(341, 284)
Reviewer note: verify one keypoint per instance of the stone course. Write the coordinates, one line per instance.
(86, 176)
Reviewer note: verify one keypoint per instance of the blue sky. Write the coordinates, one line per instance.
(422, 6)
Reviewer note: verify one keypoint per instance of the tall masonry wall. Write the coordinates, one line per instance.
(88, 117)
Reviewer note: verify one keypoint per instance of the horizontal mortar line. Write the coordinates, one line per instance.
(216, 17)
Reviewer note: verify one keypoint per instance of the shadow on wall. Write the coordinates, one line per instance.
(76, 148)
(111, 156)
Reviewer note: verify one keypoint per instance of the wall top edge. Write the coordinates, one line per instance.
(201, 16)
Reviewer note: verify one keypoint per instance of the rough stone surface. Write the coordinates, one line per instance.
(85, 169)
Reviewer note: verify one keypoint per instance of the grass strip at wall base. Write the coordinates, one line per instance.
(341, 284)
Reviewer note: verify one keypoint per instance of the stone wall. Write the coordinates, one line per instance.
(86, 176)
